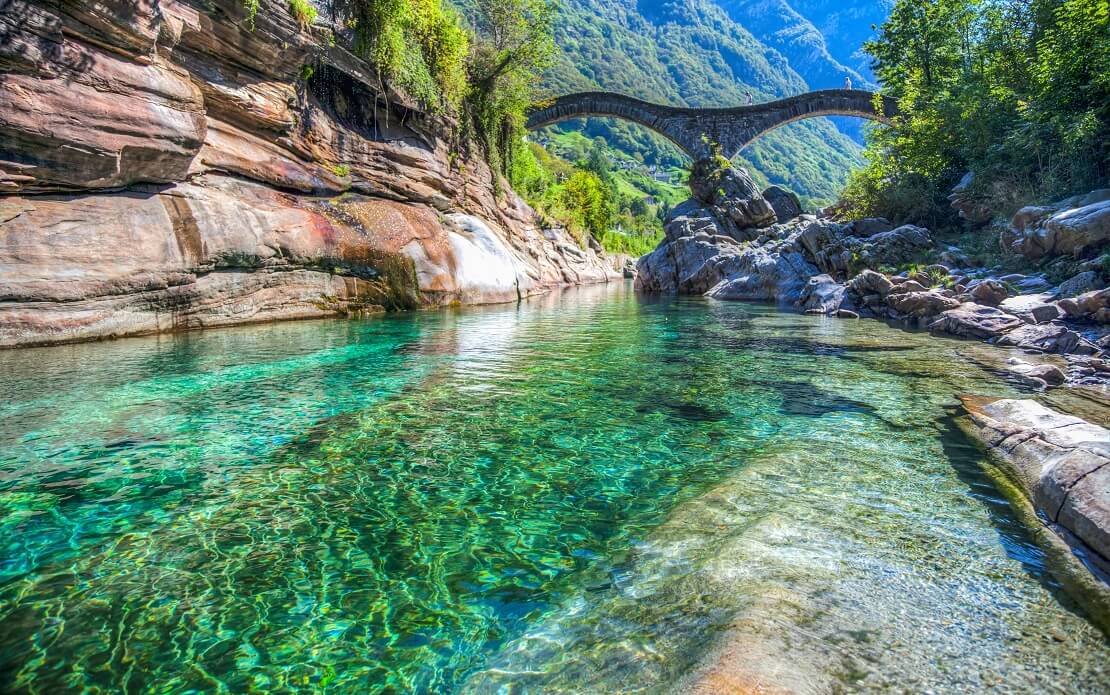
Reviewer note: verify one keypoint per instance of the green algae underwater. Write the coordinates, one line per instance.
(589, 492)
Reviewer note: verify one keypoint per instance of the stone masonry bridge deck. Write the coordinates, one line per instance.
(692, 129)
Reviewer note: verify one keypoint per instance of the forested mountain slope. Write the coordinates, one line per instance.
(691, 52)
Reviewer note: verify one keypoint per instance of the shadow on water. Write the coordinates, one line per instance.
(684, 410)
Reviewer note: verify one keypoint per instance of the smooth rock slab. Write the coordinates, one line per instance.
(1062, 462)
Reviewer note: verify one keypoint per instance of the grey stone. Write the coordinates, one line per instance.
(1068, 227)
(907, 286)
(823, 294)
(1083, 282)
(1048, 337)
(871, 282)
(1050, 374)
(928, 303)
(785, 203)
(1043, 313)
(731, 192)
(971, 320)
(990, 292)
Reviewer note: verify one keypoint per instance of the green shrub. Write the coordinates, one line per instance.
(1017, 93)
(418, 44)
(252, 11)
(303, 11)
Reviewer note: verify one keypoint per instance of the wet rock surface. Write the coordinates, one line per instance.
(1062, 465)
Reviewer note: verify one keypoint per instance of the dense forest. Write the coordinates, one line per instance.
(1015, 92)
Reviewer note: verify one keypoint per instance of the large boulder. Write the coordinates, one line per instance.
(759, 274)
(990, 292)
(1047, 337)
(970, 320)
(899, 245)
(705, 253)
(1089, 306)
(918, 304)
(1068, 227)
(832, 249)
(695, 243)
(1078, 284)
(785, 203)
(731, 193)
(870, 282)
(822, 295)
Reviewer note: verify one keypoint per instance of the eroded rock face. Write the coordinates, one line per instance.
(170, 167)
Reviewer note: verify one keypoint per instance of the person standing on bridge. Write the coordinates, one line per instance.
(751, 99)
(848, 82)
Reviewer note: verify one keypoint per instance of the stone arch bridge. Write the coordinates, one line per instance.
(692, 129)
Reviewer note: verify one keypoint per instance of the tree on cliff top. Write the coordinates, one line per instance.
(513, 45)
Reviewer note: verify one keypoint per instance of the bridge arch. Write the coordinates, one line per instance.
(732, 128)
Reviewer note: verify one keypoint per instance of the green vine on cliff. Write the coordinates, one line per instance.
(252, 11)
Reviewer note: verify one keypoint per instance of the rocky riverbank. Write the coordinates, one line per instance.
(729, 242)
(170, 165)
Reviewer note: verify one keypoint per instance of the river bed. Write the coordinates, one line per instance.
(589, 492)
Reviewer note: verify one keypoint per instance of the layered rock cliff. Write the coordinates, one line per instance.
(169, 164)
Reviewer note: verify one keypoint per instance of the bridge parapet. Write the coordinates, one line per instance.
(693, 129)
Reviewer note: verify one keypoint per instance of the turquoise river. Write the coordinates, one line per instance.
(589, 492)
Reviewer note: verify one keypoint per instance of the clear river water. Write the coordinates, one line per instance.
(591, 492)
